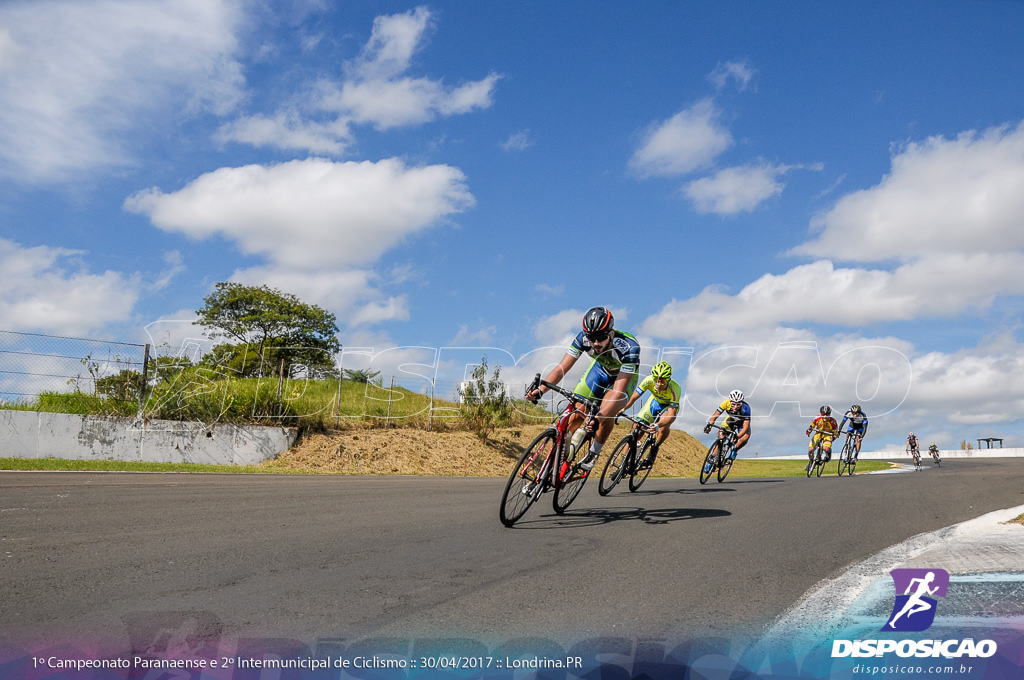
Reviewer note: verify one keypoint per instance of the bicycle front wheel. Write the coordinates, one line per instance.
(526, 482)
(846, 457)
(726, 466)
(642, 464)
(570, 478)
(710, 462)
(616, 465)
(820, 465)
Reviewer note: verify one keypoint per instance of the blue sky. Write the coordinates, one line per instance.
(812, 202)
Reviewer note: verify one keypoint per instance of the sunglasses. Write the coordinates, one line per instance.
(598, 337)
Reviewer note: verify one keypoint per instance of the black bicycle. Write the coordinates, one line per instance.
(633, 456)
(818, 455)
(917, 458)
(549, 463)
(935, 457)
(721, 455)
(848, 456)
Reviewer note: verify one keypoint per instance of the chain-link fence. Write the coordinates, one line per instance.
(78, 375)
(33, 365)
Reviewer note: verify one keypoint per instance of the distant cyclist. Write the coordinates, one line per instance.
(827, 429)
(663, 405)
(737, 418)
(934, 450)
(610, 378)
(858, 425)
(912, 445)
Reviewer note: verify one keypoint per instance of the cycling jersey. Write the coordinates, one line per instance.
(622, 357)
(660, 399)
(858, 422)
(670, 396)
(735, 417)
(826, 424)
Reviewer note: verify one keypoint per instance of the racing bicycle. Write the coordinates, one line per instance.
(721, 455)
(917, 458)
(848, 456)
(817, 464)
(935, 457)
(633, 456)
(549, 463)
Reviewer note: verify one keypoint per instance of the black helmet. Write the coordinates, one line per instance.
(825, 410)
(597, 320)
(855, 408)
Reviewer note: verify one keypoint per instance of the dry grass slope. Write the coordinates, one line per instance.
(409, 451)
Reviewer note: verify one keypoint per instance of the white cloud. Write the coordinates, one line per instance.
(310, 214)
(734, 190)
(48, 289)
(376, 91)
(941, 196)
(738, 71)
(520, 141)
(941, 286)
(687, 141)
(78, 76)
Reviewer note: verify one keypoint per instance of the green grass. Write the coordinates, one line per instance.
(60, 464)
(766, 467)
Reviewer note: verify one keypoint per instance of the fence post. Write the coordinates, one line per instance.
(430, 422)
(391, 393)
(341, 377)
(145, 380)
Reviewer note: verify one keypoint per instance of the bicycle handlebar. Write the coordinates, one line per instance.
(649, 427)
(591, 404)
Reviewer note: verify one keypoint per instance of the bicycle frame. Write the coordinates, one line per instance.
(727, 438)
(552, 473)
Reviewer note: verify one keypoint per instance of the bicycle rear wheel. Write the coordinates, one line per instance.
(642, 464)
(571, 479)
(616, 465)
(845, 458)
(526, 482)
(710, 462)
(726, 466)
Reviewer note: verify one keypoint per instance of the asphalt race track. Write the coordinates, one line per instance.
(116, 558)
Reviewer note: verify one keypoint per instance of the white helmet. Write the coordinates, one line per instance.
(736, 395)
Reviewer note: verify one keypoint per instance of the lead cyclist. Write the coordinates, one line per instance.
(612, 375)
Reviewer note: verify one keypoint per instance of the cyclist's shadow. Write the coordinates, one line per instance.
(583, 516)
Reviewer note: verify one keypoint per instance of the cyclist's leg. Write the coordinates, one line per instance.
(615, 394)
(594, 384)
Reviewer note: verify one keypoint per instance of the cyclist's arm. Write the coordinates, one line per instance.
(842, 424)
(558, 372)
(632, 400)
(613, 399)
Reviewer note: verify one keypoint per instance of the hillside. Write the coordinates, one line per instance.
(411, 451)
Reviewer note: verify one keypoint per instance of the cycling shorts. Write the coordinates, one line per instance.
(856, 429)
(651, 410)
(825, 439)
(596, 382)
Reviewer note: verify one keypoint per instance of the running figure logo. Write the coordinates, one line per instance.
(914, 610)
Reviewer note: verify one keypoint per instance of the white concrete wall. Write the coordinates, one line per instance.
(29, 434)
(899, 455)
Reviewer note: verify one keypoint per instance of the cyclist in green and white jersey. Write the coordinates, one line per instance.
(609, 379)
(663, 405)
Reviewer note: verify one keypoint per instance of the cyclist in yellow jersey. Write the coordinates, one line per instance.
(663, 405)
(825, 429)
(737, 418)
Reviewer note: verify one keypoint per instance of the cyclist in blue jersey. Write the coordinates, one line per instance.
(737, 418)
(858, 425)
(663, 405)
(610, 378)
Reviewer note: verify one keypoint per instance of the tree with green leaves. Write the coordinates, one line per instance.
(485, 401)
(270, 329)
